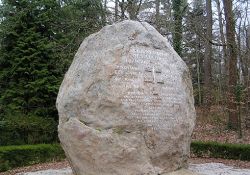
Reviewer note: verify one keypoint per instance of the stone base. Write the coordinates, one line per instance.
(183, 172)
(68, 171)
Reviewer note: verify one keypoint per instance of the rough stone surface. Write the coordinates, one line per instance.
(126, 104)
(183, 172)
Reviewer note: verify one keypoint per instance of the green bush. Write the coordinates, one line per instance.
(19, 129)
(221, 150)
(23, 155)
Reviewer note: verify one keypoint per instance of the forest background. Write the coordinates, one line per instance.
(38, 40)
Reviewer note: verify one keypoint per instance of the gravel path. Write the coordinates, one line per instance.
(64, 171)
(217, 169)
(205, 166)
(204, 169)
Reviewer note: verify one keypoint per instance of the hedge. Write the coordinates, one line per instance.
(221, 150)
(23, 155)
(16, 156)
(17, 129)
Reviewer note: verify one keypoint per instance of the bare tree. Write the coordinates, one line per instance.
(132, 9)
(247, 118)
(116, 10)
(208, 54)
(222, 37)
(233, 121)
(123, 7)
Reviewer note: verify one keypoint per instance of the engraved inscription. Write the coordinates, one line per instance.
(151, 96)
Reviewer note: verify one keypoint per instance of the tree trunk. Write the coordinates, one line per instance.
(208, 55)
(116, 10)
(222, 38)
(242, 66)
(104, 12)
(131, 9)
(198, 71)
(177, 36)
(123, 8)
(247, 118)
(167, 18)
(157, 14)
(233, 121)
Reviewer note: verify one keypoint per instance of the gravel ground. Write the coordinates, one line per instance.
(217, 169)
(64, 171)
(232, 163)
(203, 169)
(205, 166)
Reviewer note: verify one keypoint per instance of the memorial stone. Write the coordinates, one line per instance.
(126, 104)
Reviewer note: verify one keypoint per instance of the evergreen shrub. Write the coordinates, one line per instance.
(23, 155)
(19, 129)
(221, 150)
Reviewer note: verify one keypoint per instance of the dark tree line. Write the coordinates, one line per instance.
(38, 41)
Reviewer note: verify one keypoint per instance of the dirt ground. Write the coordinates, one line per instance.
(212, 126)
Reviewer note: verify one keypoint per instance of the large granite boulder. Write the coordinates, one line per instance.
(126, 105)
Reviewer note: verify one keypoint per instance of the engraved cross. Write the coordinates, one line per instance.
(153, 75)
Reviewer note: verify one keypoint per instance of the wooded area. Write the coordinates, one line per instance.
(38, 40)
